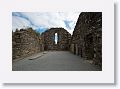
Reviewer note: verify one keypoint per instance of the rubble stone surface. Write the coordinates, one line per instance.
(64, 38)
(25, 42)
(87, 37)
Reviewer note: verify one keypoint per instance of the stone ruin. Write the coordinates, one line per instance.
(25, 42)
(86, 40)
(63, 39)
(87, 37)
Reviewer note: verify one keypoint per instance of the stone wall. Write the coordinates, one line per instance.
(63, 39)
(87, 37)
(25, 42)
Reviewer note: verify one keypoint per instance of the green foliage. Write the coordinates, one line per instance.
(37, 33)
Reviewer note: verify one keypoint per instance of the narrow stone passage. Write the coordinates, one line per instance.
(54, 61)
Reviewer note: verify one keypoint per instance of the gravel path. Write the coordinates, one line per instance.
(54, 61)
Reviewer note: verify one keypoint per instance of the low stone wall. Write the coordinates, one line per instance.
(25, 42)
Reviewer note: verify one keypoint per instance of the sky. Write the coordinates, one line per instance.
(41, 21)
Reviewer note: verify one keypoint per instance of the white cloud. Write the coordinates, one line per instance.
(46, 20)
(19, 23)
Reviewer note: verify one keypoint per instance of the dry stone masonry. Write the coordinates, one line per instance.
(63, 39)
(25, 42)
(87, 37)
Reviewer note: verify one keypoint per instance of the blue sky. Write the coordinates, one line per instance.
(41, 21)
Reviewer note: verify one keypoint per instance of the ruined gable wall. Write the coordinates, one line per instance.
(63, 39)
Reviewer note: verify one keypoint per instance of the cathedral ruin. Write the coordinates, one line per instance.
(86, 40)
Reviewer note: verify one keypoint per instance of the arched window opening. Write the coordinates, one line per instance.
(56, 38)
